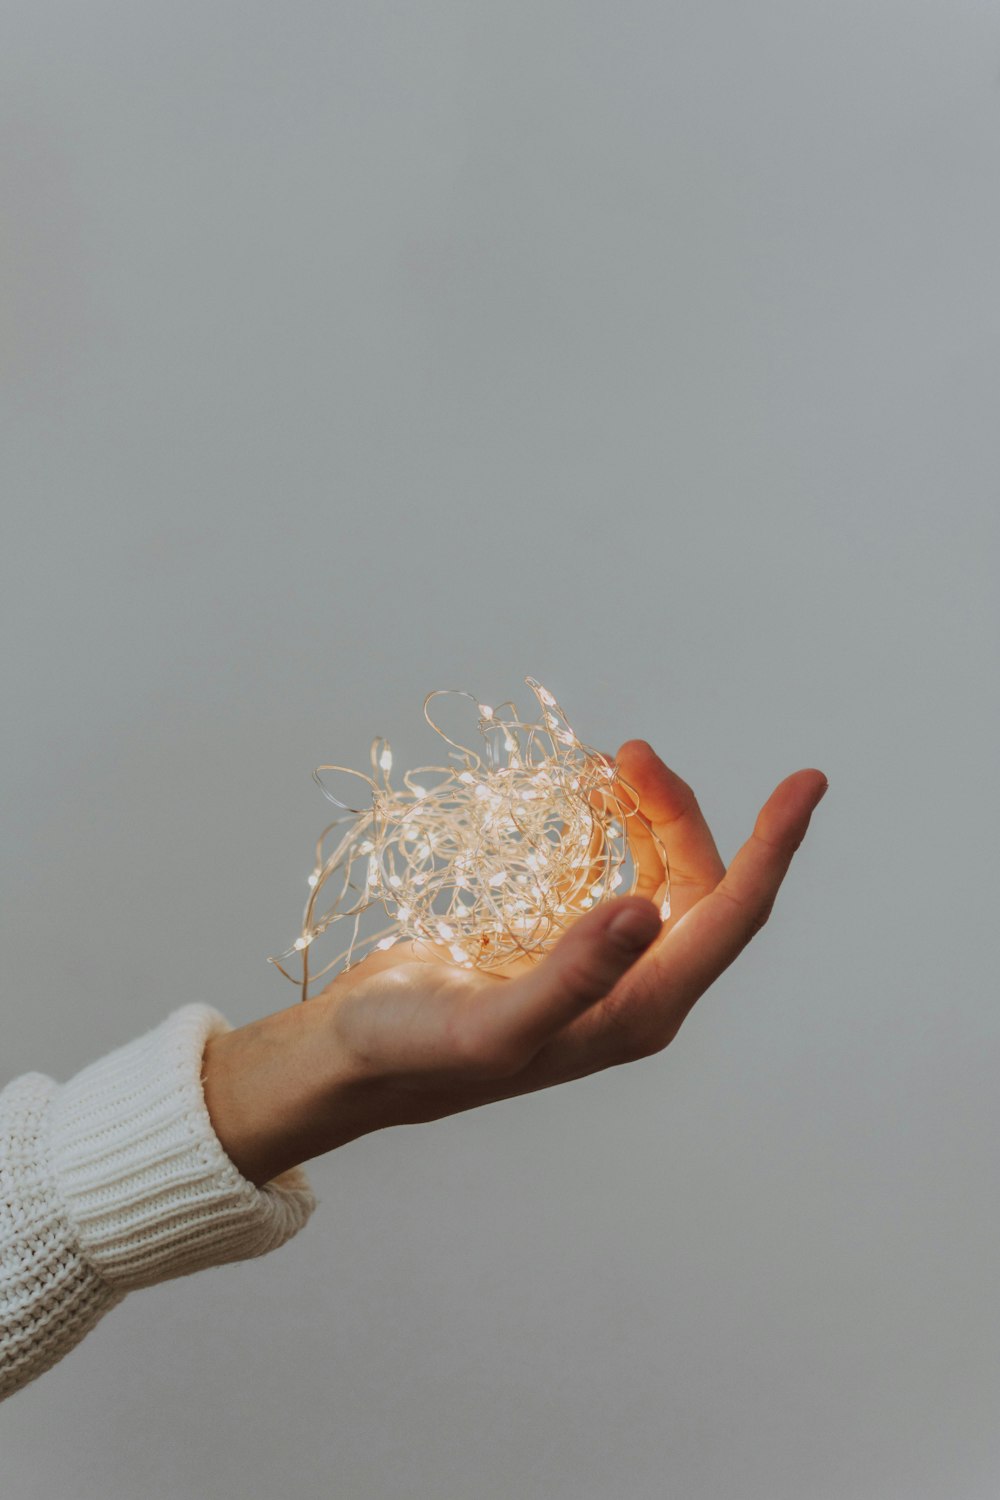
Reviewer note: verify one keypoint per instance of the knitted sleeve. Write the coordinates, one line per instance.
(117, 1180)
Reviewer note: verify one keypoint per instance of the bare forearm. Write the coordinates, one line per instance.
(278, 1094)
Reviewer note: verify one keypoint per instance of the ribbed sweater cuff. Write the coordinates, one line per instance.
(145, 1181)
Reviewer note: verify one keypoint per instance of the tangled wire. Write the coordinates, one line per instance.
(482, 861)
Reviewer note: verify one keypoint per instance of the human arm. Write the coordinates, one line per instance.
(183, 1148)
(399, 1039)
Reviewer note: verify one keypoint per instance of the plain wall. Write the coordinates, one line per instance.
(352, 350)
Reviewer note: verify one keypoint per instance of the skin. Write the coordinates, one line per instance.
(403, 1038)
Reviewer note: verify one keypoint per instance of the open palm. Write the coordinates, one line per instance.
(430, 1039)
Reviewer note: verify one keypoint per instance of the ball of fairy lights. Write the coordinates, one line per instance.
(487, 859)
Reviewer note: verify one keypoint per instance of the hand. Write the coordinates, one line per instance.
(402, 1038)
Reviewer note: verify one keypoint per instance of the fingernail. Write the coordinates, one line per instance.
(826, 788)
(632, 929)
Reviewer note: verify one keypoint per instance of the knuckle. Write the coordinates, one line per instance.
(754, 916)
(725, 894)
(627, 1037)
(757, 923)
(760, 917)
(640, 1043)
(622, 1044)
(687, 794)
(781, 849)
(644, 1046)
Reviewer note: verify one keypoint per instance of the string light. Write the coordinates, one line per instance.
(483, 861)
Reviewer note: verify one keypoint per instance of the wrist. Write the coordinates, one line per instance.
(279, 1091)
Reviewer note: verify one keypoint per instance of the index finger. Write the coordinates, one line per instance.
(704, 942)
(672, 809)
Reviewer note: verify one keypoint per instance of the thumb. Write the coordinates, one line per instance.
(585, 964)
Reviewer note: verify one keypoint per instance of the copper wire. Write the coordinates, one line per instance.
(482, 861)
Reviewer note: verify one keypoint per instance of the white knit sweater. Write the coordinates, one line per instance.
(117, 1180)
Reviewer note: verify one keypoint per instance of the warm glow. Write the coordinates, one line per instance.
(492, 858)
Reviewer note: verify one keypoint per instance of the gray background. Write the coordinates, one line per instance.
(352, 350)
